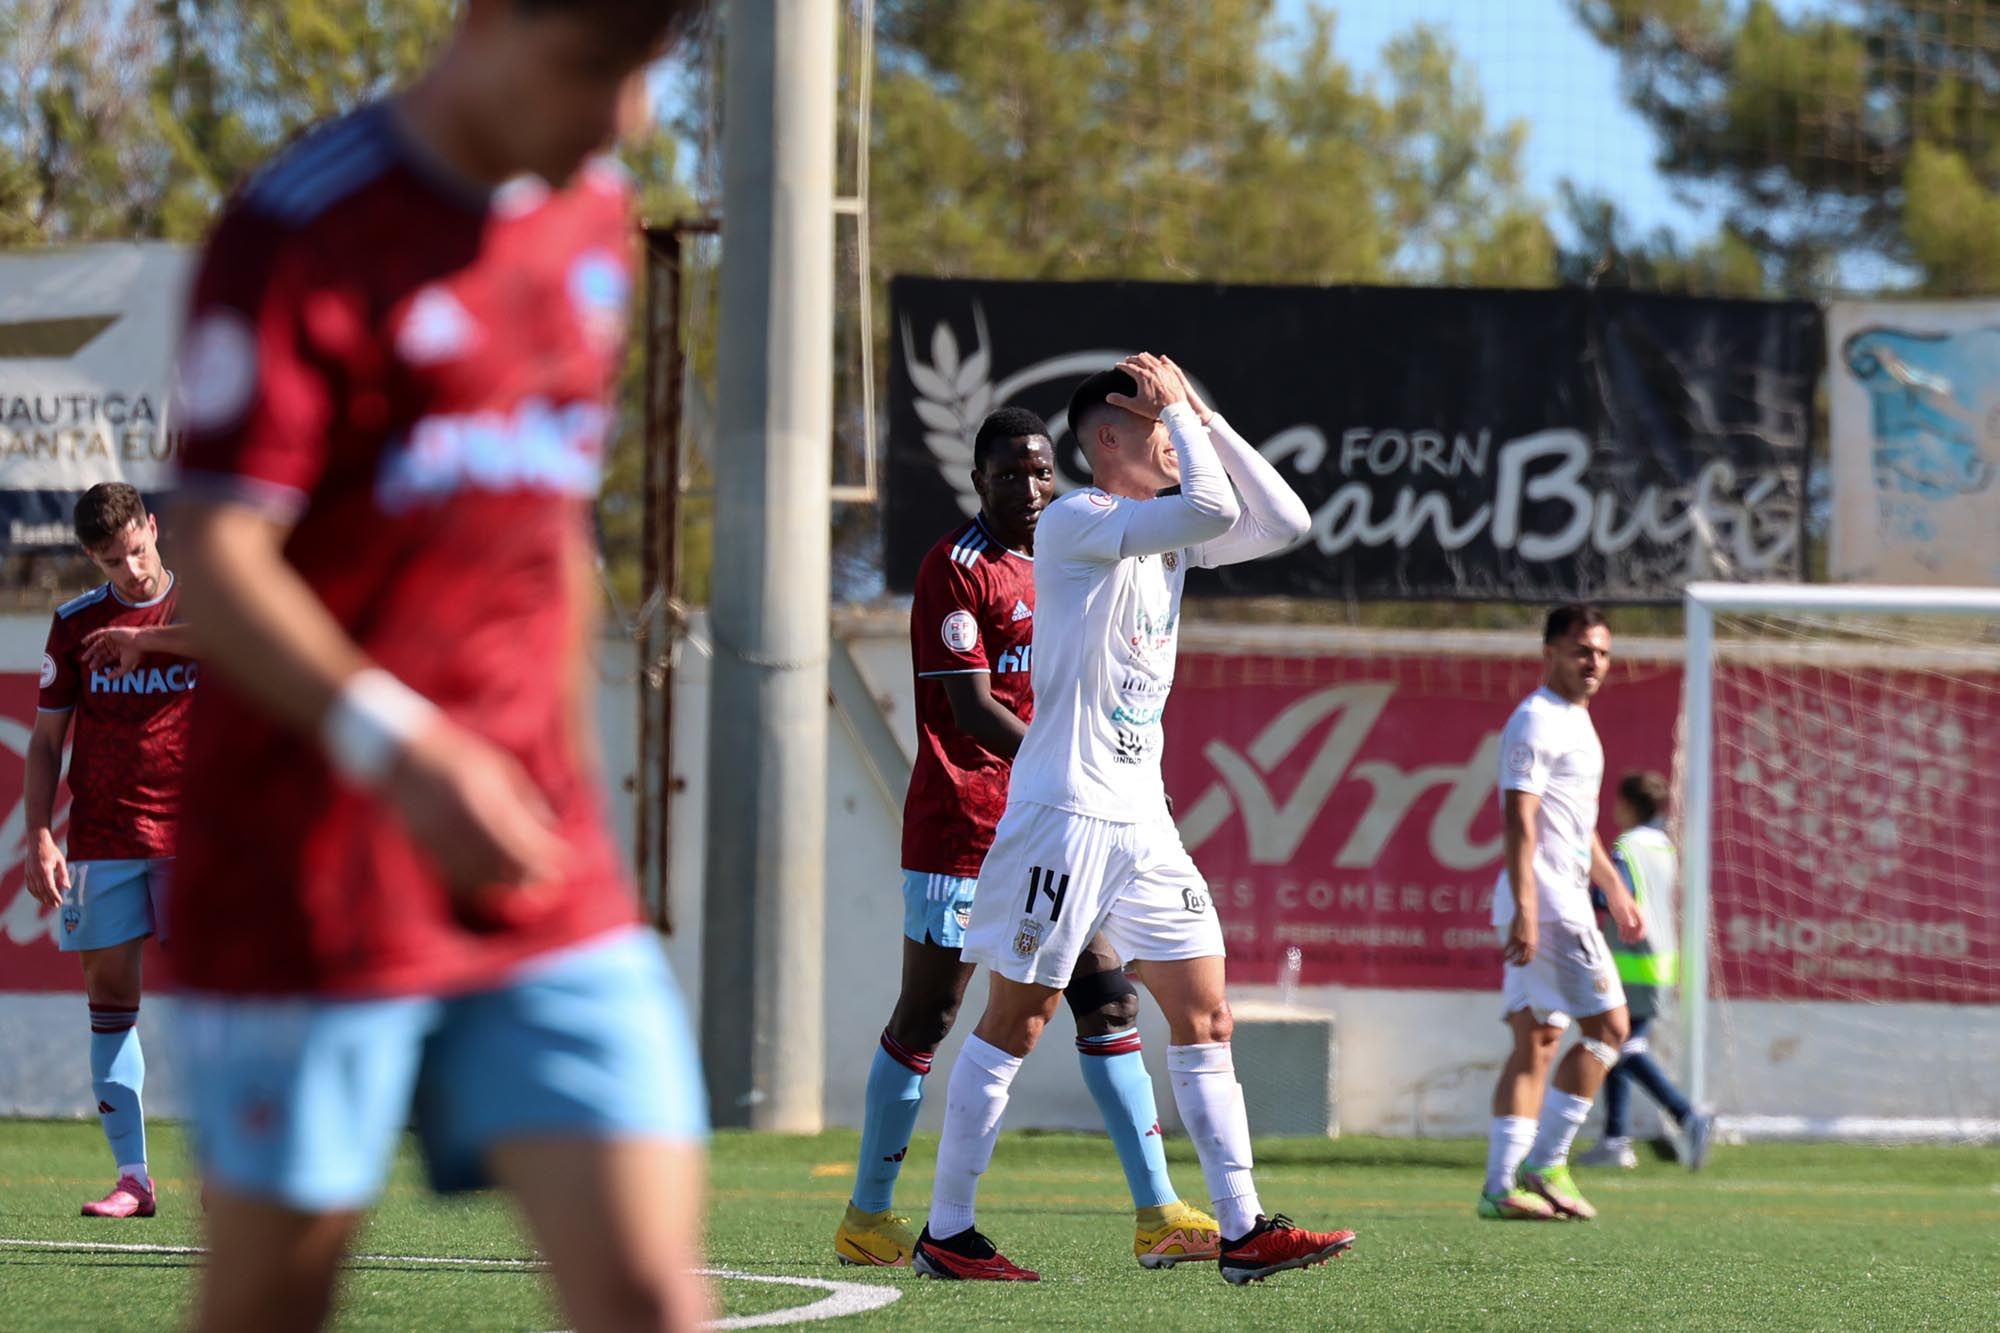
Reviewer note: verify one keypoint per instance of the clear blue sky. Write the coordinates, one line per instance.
(1535, 63)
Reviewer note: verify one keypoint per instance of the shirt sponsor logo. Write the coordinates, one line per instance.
(145, 680)
(1137, 715)
(48, 671)
(539, 446)
(960, 631)
(1135, 746)
(598, 289)
(1015, 660)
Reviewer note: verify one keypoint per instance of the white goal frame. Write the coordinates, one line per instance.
(1703, 602)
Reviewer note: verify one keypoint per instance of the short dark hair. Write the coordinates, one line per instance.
(1570, 617)
(1093, 396)
(650, 19)
(105, 510)
(1646, 792)
(1004, 423)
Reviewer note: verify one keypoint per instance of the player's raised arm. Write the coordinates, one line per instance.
(1206, 507)
(116, 649)
(1272, 518)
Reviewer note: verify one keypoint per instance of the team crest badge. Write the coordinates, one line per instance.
(964, 915)
(1601, 985)
(1171, 561)
(72, 918)
(1028, 938)
(598, 288)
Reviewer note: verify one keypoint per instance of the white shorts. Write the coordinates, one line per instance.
(1572, 976)
(1054, 880)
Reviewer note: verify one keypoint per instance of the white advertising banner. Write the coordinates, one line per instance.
(87, 339)
(1914, 401)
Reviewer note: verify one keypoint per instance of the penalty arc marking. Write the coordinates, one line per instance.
(841, 1299)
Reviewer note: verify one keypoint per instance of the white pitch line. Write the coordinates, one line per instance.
(842, 1299)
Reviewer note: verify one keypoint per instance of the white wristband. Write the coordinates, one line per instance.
(372, 718)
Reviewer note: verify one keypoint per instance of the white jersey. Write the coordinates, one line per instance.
(1106, 634)
(1551, 750)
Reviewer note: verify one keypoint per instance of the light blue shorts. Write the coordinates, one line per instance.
(937, 908)
(110, 902)
(302, 1101)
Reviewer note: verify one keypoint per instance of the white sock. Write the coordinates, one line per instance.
(1507, 1140)
(137, 1173)
(974, 1100)
(1211, 1104)
(1563, 1115)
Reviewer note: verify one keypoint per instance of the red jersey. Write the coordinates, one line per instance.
(974, 611)
(128, 737)
(414, 375)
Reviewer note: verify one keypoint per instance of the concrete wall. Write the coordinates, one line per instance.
(1408, 1062)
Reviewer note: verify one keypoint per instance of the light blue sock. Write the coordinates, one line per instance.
(1115, 1073)
(895, 1094)
(118, 1077)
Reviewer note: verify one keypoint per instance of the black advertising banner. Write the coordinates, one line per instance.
(1495, 445)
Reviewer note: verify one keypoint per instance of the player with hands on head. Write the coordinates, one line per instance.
(1086, 846)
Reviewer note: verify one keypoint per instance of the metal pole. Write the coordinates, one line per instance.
(1698, 842)
(762, 944)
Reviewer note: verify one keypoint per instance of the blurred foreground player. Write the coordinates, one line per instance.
(118, 669)
(399, 897)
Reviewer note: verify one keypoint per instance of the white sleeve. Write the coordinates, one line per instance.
(1205, 508)
(1104, 529)
(1526, 755)
(1273, 516)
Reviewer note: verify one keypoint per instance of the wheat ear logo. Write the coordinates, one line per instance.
(955, 391)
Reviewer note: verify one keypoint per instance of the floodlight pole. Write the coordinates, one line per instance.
(762, 947)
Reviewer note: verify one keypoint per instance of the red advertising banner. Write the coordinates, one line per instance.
(1345, 806)
(28, 956)
(1854, 833)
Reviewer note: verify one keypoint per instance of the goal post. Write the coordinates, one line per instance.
(1839, 774)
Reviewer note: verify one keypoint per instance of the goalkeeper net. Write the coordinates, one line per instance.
(1840, 773)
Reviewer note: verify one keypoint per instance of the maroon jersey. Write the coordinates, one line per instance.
(414, 375)
(974, 611)
(128, 736)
